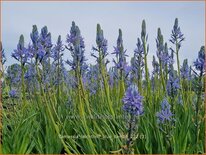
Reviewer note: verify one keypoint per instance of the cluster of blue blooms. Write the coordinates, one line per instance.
(41, 51)
(41, 69)
(133, 101)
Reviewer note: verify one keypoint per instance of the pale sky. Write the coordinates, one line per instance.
(18, 18)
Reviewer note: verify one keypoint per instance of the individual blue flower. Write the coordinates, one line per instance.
(12, 93)
(165, 114)
(133, 101)
(200, 61)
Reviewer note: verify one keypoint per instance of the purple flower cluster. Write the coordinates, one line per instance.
(120, 53)
(21, 54)
(34, 36)
(76, 47)
(159, 42)
(13, 93)
(31, 72)
(200, 61)
(41, 44)
(185, 70)
(101, 45)
(91, 79)
(133, 101)
(173, 83)
(14, 74)
(101, 41)
(112, 76)
(162, 51)
(155, 66)
(165, 114)
(137, 63)
(45, 37)
(165, 59)
(57, 50)
(177, 37)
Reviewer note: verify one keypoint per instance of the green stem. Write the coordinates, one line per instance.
(162, 77)
(178, 68)
(106, 86)
(22, 84)
(146, 69)
(140, 78)
(58, 78)
(197, 109)
(129, 137)
(178, 62)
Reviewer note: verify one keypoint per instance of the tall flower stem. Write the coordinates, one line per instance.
(49, 110)
(23, 85)
(21, 54)
(162, 76)
(178, 70)
(81, 91)
(144, 41)
(129, 136)
(146, 67)
(178, 61)
(50, 113)
(58, 78)
(134, 107)
(176, 39)
(140, 80)
(105, 82)
(122, 87)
